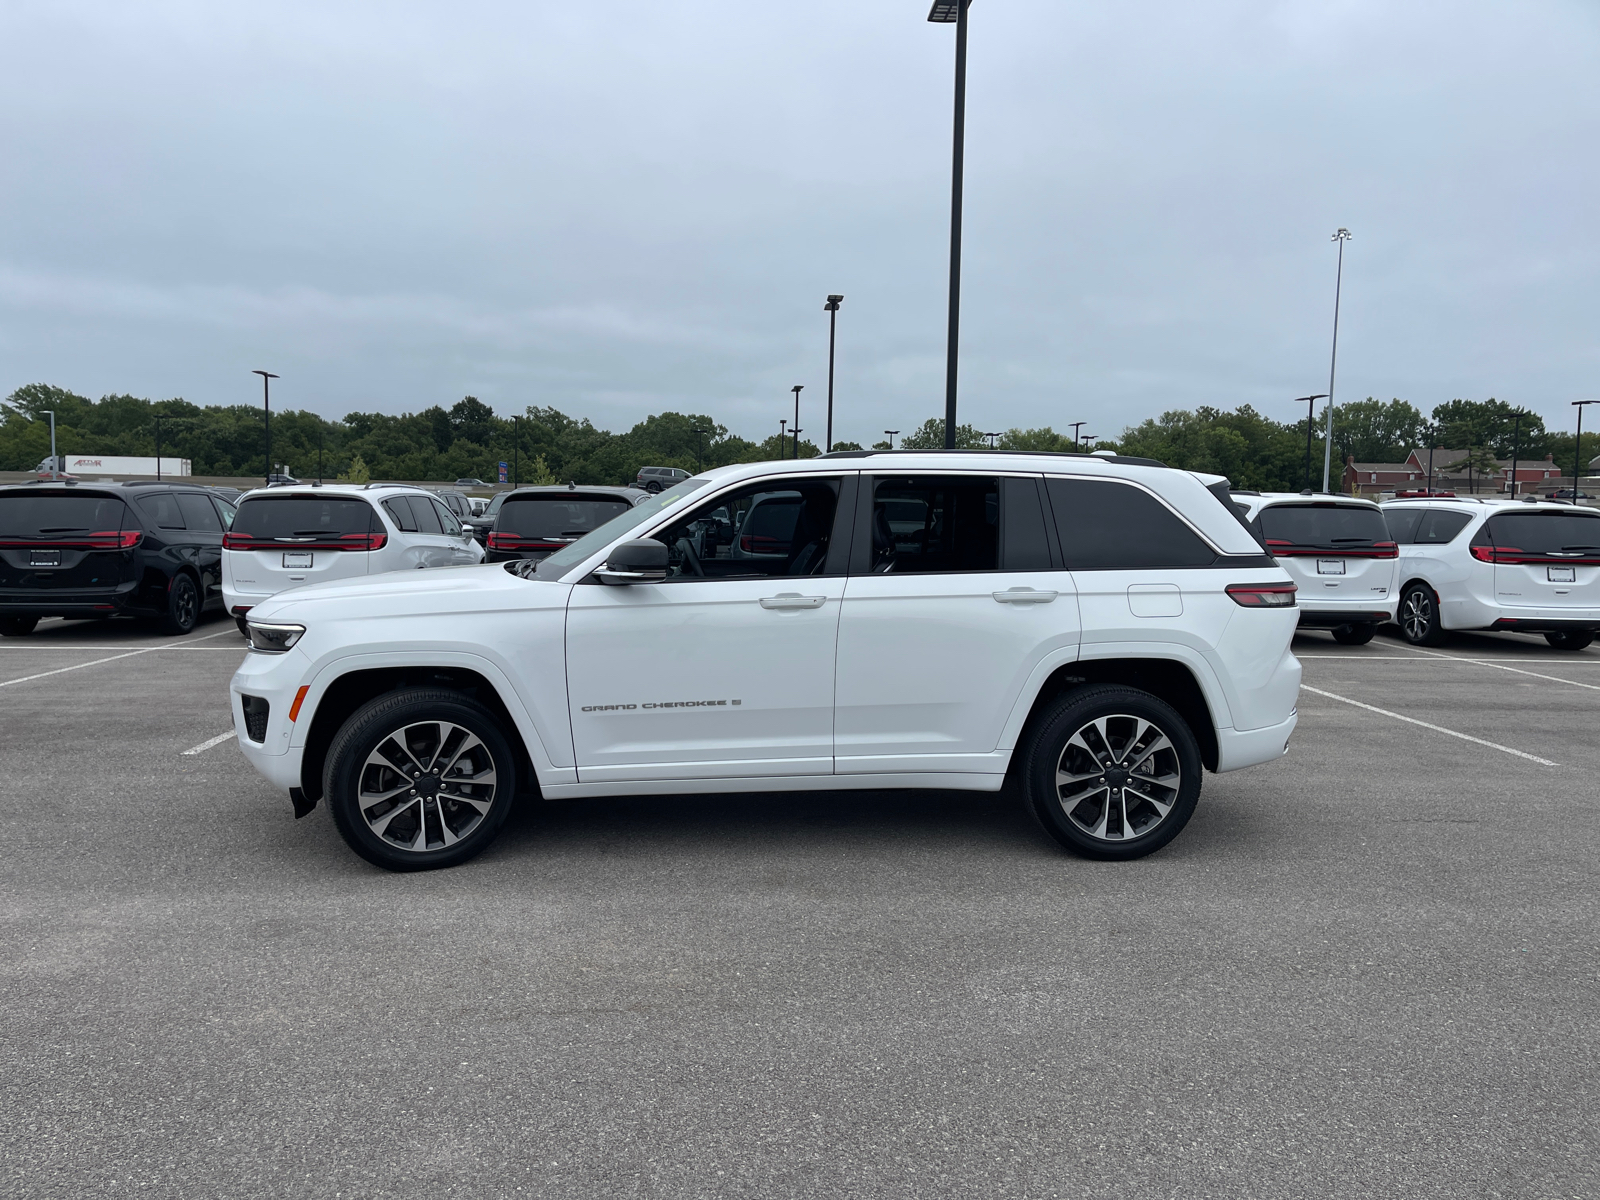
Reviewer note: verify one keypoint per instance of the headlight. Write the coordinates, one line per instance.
(274, 639)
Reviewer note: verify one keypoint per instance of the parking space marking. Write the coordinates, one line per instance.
(97, 662)
(206, 745)
(1436, 655)
(1465, 737)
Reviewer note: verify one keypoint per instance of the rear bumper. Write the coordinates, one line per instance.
(1544, 625)
(1330, 619)
(1250, 747)
(72, 602)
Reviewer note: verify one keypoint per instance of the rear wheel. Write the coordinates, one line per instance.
(1111, 772)
(653, 486)
(1355, 635)
(1419, 616)
(420, 778)
(183, 606)
(17, 626)
(1572, 640)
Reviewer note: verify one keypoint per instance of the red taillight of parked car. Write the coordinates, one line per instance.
(345, 541)
(362, 541)
(1262, 595)
(516, 541)
(104, 539)
(1289, 550)
(761, 543)
(1516, 556)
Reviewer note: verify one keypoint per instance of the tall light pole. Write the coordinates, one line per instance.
(1433, 436)
(1577, 453)
(1516, 433)
(1076, 425)
(516, 448)
(783, 437)
(1090, 439)
(266, 412)
(796, 428)
(832, 309)
(992, 439)
(890, 433)
(1311, 403)
(945, 12)
(1341, 235)
(702, 434)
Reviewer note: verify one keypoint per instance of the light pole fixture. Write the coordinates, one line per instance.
(832, 309)
(783, 437)
(1311, 403)
(1090, 438)
(890, 434)
(946, 12)
(158, 419)
(266, 412)
(1433, 436)
(1516, 433)
(516, 448)
(1076, 425)
(702, 434)
(1341, 235)
(992, 439)
(1577, 453)
(796, 427)
(55, 465)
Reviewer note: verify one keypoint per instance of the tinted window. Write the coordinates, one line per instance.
(922, 525)
(400, 512)
(557, 516)
(227, 513)
(1439, 527)
(1105, 526)
(770, 528)
(1402, 523)
(447, 520)
(162, 508)
(1026, 547)
(198, 514)
(32, 514)
(1558, 533)
(424, 513)
(302, 516)
(1321, 527)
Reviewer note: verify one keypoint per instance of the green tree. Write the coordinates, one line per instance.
(357, 472)
(1492, 423)
(1371, 430)
(930, 436)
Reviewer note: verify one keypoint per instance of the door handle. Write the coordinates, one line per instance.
(1024, 596)
(792, 600)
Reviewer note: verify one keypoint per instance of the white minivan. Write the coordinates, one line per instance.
(287, 537)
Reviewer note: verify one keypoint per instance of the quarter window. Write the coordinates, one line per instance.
(399, 508)
(1439, 527)
(1109, 526)
(163, 506)
(1402, 523)
(198, 513)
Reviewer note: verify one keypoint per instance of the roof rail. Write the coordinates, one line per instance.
(1126, 459)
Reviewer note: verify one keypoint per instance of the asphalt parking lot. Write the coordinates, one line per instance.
(1369, 969)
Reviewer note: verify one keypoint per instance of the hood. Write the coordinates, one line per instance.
(449, 591)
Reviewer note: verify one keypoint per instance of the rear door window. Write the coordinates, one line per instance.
(556, 516)
(1025, 546)
(302, 517)
(44, 515)
(1321, 528)
(1105, 525)
(199, 514)
(923, 525)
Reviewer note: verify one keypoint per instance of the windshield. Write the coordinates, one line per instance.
(1321, 527)
(32, 514)
(562, 561)
(302, 516)
(1562, 534)
(553, 516)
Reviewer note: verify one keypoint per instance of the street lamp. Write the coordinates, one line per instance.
(890, 434)
(1577, 453)
(1516, 432)
(158, 419)
(516, 448)
(54, 464)
(1341, 236)
(783, 437)
(832, 309)
(1076, 425)
(796, 429)
(1433, 437)
(1310, 402)
(945, 12)
(991, 437)
(702, 434)
(1090, 438)
(266, 410)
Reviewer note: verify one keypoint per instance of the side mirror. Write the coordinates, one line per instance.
(643, 560)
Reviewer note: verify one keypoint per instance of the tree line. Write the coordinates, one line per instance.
(548, 446)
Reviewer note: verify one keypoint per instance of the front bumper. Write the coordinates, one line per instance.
(274, 678)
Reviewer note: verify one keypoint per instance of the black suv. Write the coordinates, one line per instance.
(104, 550)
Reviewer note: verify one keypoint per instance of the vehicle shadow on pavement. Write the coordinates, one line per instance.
(1468, 643)
(116, 631)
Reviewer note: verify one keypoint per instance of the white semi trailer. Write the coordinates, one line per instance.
(109, 465)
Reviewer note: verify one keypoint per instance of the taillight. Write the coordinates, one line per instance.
(236, 541)
(1262, 595)
(345, 541)
(505, 541)
(362, 541)
(113, 539)
(1516, 556)
(761, 543)
(1385, 550)
(1289, 550)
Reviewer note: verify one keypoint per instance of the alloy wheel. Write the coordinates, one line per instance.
(1118, 777)
(1416, 614)
(426, 786)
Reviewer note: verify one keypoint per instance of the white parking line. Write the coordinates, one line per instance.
(1465, 737)
(206, 745)
(98, 661)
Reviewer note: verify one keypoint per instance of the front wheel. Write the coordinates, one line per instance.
(17, 626)
(1358, 634)
(1569, 640)
(1111, 772)
(1419, 616)
(420, 778)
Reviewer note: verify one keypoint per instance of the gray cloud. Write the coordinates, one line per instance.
(617, 208)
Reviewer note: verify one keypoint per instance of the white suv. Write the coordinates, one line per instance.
(1097, 629)
(292, 536)
(1497, 564)
(1338, 550)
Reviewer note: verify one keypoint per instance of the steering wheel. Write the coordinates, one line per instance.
(691, 560)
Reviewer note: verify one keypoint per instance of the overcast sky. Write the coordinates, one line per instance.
(618, 208)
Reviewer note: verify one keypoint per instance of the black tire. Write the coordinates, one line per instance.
(379, 829)
(17, 626)
(1358, 634)
(1419, 616)
(244, 626)
(1569, 640)
(653, 486)
(183, 607)
(1083, 819)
